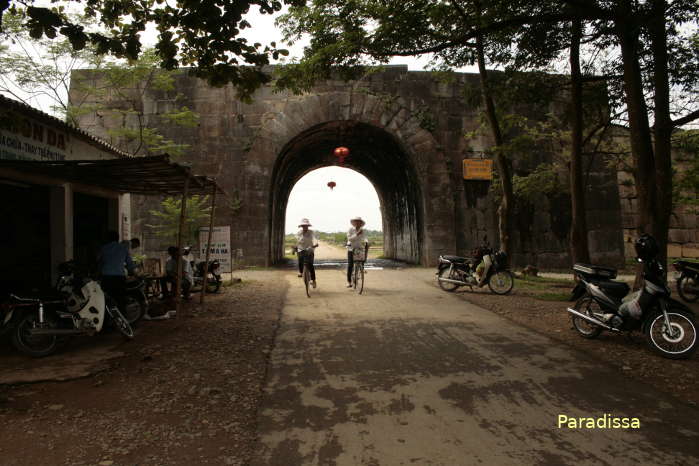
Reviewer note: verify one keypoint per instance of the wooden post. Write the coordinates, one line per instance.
(208, 244)
(183, 216)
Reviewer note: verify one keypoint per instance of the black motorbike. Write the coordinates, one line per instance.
(688, 281)
(214, 280)
(605, 304)
(485, 267)
(136, 299)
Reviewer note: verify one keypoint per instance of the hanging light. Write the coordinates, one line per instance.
(341, 153)
(331, 185)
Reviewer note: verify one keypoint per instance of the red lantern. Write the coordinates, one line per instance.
(331, 185)
(341, 153)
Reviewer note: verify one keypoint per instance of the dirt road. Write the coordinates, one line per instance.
(408, 374)
(326, 251)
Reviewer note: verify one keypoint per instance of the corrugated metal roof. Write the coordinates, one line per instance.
(137, 175)
(57, 122)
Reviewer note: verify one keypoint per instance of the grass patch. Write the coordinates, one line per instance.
(552, 296)
(542, 284)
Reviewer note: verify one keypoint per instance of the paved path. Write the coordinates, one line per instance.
(409, 375)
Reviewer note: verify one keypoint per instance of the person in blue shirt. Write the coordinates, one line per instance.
(114, 259)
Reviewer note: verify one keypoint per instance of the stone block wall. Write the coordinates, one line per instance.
(683, 237)
(246, 145)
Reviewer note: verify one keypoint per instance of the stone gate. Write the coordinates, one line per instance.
(406, 133)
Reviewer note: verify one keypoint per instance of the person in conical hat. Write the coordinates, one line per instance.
(357, 243)
(306, 242)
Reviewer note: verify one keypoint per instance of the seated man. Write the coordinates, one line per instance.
(169, 282)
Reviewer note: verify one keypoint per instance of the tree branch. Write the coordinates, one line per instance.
(686, 119)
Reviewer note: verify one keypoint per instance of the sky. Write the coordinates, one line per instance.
(330, 210)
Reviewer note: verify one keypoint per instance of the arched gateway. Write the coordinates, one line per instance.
(387, 145)
(406, 133)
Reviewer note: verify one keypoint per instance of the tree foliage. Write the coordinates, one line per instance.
(203, 34)
(168, 218)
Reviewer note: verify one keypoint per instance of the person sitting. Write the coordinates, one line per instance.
(305, 243)
(169, 282)
(357, 243)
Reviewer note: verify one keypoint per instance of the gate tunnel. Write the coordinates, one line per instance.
(378, 156)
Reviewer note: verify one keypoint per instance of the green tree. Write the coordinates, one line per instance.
(77, 82)
(168, 218)
(203, 34)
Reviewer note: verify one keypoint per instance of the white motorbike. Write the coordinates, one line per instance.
(83, 310)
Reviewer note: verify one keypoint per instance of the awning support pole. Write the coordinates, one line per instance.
(208, 244)
(183, 218)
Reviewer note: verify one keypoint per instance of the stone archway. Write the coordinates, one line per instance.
(377, 156)
(401, 159)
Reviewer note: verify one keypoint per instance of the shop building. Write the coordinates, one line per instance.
(47, 219)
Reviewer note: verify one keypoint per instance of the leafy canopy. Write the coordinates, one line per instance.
(204, 34)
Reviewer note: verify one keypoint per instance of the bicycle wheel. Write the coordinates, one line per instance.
(120, 322)
(307, 279)
(360, 277)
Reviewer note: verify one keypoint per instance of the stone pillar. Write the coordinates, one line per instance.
(61, 226)
(125, 216)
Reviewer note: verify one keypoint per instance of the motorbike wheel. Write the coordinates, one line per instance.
(446, 286)
(136, 308)
(501, 282)
(678, 342)
(688, 288)
(213, 285)
(588, 306)
(120, 322)
(36, 346)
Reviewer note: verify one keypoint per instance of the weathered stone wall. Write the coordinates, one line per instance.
(406, 131)
(683, 237)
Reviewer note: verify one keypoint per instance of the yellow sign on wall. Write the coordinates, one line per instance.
(478, 169)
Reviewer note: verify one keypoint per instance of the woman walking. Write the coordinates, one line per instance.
(356, 240)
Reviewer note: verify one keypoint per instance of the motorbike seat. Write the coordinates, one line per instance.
(615, 289)
(694, 266)
(457, 259)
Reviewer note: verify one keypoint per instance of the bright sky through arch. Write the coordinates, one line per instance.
(330, 210)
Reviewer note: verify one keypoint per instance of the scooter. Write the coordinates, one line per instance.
(214, 280)
(83, 310)
(604, 304)
(688, 281)
(455, 271)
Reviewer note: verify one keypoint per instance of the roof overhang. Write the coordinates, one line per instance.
(155, 175)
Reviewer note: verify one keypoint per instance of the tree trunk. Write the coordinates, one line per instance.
(662, 130)
(501, 161)
(579, 249)
(639, 129)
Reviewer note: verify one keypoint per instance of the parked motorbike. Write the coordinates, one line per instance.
(83, 310)
(136, 299)
(688, 281)
(605, 304)
(485, 267)
(214, 280)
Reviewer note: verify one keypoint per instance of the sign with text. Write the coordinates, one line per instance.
(26, 139)
(220, 246)
(478, 169)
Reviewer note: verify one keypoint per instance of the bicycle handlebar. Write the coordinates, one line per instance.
(26, 300)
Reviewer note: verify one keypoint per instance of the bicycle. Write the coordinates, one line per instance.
(358, 273)
(306, 269)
